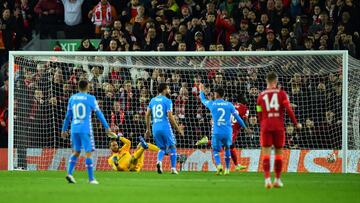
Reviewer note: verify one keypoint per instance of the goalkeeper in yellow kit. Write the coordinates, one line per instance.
(122, 160)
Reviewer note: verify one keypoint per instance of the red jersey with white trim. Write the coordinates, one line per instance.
(243, 111)
(270, 108)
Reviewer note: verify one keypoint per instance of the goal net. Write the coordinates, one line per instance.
(124, 82)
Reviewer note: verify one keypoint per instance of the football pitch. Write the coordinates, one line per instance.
(197, 187)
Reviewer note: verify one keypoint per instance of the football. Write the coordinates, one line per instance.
(331, 158)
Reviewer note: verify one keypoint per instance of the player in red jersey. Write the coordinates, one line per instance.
(270, 107)
(242, 109)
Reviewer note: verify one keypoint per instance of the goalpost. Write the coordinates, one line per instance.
(323, 87)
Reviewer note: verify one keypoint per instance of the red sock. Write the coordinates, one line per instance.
(278, 165)
(266, 165)
(234, 156)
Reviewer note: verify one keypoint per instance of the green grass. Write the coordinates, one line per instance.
(187, 187)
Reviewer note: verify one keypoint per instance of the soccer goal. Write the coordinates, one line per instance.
(323, 87)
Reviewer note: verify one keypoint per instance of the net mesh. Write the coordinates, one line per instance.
(124, 85)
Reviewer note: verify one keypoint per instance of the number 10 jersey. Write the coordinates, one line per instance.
(79, 108)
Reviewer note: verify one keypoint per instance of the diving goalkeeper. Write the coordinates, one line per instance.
(122, 160)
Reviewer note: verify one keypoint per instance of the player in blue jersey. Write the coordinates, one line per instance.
(221, 112)
(161, 107)
(79, 111)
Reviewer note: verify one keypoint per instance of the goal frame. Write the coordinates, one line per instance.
(343, 53)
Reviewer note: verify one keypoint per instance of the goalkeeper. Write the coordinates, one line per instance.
(122, 160)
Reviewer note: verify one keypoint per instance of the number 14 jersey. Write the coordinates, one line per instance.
(270, 108)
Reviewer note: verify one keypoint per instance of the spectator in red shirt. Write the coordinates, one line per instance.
(50, 14)
(25, 18)
(102, 15)
(225, 26)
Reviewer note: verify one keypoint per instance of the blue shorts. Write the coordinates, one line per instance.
(218, 141)
(164, 138)
(79, 140)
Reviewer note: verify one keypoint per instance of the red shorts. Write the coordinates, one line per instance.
(270, 138)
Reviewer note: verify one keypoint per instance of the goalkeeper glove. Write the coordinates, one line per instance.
(113, 135)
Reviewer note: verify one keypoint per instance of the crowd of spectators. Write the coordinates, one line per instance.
(171, 25)
(174, 25)
(230, 25)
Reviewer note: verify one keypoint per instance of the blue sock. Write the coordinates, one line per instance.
(217, 158)
(89, 167)
(173, 157)
(161, 154)
(227, 158)
(72, 163)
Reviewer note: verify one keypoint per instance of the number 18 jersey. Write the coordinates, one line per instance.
(160, 106)
(271, 105)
